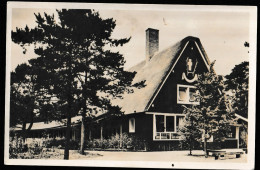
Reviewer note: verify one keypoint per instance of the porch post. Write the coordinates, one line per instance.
(73, 133)
(154, 126)
(89, 136)
(101, 132)
(175, 123)
(121, 134)
(237, 135)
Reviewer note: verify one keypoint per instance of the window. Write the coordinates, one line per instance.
(132, 125)
(192, 95)
(166, 126)
(170, 123)
(232, 132)
(179, 122)
(186, 94)
(183, 95)
(159, 123)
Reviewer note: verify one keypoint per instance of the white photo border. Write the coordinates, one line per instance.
(252, 10)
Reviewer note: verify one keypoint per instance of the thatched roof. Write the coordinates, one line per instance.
(153, 72)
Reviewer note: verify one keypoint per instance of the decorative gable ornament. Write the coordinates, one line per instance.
(190, 75)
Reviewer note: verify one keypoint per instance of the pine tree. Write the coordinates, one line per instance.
(237, 82)
(81, 71)
(22, 99)
(190, 133)
(213, 116)
(25, 98)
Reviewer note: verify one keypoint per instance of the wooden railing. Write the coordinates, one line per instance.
(167, 136)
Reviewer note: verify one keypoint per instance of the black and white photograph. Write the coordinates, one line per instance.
(130, 85)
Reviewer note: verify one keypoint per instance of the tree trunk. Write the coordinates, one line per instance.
(190, 147)
(24, 131)
(191, 138)
(82, 136)
(205, 145)
(68, 129)
(83, 122)
(67, 140)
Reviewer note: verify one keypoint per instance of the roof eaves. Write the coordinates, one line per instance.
(241, 117)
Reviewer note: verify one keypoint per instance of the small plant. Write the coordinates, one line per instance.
(33, 148)
(114, 141)
(117, 141)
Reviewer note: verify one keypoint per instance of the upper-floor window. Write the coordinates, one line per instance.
(186, 94)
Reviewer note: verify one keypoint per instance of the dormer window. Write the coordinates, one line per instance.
(186, 94)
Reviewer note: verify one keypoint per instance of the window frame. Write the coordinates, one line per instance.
(170, 133)
(131, 127)
(187, 93)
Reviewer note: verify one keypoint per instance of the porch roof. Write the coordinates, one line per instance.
(51, 125)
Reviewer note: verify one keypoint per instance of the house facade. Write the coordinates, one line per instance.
(154, 113)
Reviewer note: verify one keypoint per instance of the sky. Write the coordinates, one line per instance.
(222, 34)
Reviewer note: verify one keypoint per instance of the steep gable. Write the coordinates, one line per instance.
(166, 99)
(155, 73)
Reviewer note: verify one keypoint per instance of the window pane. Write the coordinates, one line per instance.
(157, 136)
(174, 136)
(169, 123)
(232, 133)
(165, 135)
(132, 125)
(159, 123)
(192, 94)
(179, 122)
(183, 94)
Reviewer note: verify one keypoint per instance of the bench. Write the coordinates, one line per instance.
(223, 152)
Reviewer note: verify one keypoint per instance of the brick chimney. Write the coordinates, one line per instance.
(152, 43)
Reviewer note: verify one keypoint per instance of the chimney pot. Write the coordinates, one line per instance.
(152, 43)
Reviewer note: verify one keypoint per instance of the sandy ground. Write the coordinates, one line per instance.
(177, 156)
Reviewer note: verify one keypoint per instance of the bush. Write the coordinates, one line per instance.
(37, 148)
(60, 143)
(127, 142)
(55, 142)
(16, 146)
(22, 150)
(114, 141)
(89, 144)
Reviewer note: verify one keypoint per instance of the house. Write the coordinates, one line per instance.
(52, 129)
(154, 113)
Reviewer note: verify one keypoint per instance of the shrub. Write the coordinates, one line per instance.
(60, 143)
(37, 148)
(22, 150)
(114, 141)
(89, 144)
(55, 142)
(74, 144)
(127, 142)
(16, 146)
(104, 144)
